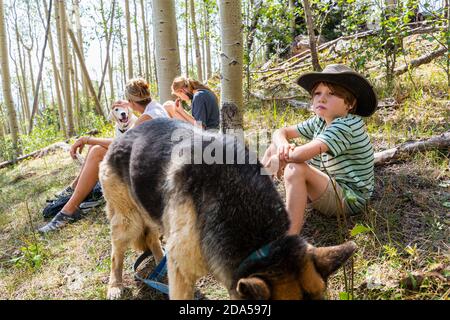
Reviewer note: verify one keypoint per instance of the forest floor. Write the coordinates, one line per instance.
(403, 236)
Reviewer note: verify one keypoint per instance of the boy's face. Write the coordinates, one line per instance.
(327, 105)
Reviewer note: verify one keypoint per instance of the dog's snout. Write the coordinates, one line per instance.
(123, 114)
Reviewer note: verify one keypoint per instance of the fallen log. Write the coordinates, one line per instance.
(427, 58)
(42, 152)
(441, 141)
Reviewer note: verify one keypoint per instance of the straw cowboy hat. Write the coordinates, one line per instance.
(366, 99)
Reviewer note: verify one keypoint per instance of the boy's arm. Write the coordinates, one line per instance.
(307, 151)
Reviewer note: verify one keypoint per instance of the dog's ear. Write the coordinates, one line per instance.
(253, 288)
(328, 259)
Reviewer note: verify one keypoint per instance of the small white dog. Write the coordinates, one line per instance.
(124, 118)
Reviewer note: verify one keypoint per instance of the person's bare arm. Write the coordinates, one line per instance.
(141, 119)
(186, 116)
(307, 151)
(80, 142)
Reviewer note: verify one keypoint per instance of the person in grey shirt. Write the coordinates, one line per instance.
(205, 108)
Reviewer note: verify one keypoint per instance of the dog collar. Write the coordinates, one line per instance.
(122, 131)
(259, 254)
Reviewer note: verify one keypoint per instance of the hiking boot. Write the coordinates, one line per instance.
(55, 206)
(94, 199)
(90, 204)
(66, 192)
(60, 220)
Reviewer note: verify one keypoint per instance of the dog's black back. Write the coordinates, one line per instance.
(239, 209)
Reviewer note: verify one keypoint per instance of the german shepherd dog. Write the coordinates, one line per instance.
(215, 216)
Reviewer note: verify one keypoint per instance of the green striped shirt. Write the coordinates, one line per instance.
(349, 158)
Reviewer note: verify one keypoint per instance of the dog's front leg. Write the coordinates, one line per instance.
(115, 287)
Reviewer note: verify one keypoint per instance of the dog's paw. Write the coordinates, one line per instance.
(115, 293)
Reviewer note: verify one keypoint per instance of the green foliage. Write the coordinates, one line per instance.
(6, 148)
(345, 296)
(46, 131)
(358, 229)
(31, 257)
(91, 121)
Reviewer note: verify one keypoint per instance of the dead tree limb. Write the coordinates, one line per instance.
(418, 62)
(38, 153)
(440, 142)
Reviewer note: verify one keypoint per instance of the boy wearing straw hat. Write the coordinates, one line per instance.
(334, 170)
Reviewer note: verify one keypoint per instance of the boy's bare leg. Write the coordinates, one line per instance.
(87, 179)
(302, 182)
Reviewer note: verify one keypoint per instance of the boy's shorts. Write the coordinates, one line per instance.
(327, 203)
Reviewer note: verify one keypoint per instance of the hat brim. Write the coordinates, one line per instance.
(366, 99)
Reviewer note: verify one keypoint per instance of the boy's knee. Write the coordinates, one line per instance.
(294, 171)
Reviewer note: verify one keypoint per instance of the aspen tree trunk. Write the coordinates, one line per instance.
(198, 57)
(66, 68)
(187, 38)
(22, 84)
(129, 41)
(29, 50)
(202, 37)
(166, 46)
(147, 60)
(39, 78)
(138, 47)
(98, 108)
(6, 84)
(312, 37)
(111, 79)
(76, 9)
(76, 98)
(30, 64)
(231, 61)
(108, 34)
(62, 123)
(207, 41)
(292, 18)
(122, 55)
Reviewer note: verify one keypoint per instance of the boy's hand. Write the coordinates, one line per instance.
(283, 151)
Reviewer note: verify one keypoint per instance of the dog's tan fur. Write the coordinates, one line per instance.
(130, 226)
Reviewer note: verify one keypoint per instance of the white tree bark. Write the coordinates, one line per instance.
(207, 42)
(66, 68)
(6, 85)
(76, 9)
(129, 42)
(231, 62)
(166, 46)
(198, 57)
